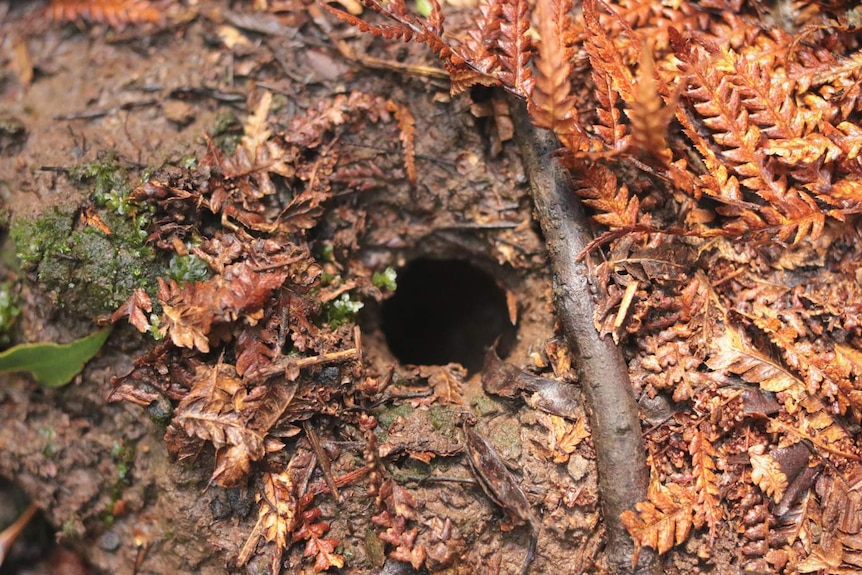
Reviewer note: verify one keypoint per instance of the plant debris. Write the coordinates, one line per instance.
(716, 149)
(714, 144)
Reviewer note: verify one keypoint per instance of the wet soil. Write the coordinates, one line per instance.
(147, 94)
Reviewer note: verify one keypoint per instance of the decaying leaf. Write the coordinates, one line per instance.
(136, 309)
(399, 508)
(664, 520)
(556, 397)
(708, 511)
(280, 509)
(766, 473)
(213, 411)
(734, 353)
(501, 487)
(497, 481)
(317, 546)
(564, 436)
(446, 381)
(117, 13)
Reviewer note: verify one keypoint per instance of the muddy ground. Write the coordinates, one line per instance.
(147, 94)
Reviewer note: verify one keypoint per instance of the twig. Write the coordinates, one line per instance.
(602, 371)
(303, 362)
(322, 458)
(370, 61)
(11, 533)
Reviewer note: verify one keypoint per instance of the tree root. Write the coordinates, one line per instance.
(601, 368)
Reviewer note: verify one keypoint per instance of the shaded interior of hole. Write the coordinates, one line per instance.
(446, 311)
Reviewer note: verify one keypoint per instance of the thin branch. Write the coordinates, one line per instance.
(602, 370)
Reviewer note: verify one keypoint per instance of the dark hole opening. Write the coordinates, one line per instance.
(446, 311)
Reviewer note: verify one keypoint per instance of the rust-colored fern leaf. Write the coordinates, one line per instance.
(483, 35)
(395, 29)
(789, 212)
(733, 353)
(116, 13)
(516, 47)
(766, 473)
(648, 114)
(612, 78)
(406, 133)
(607, 56)
(281, 500)
(616, 207)
(278, 512)
(708, 510)
(553, 105)
(404, 26)
(664, 520)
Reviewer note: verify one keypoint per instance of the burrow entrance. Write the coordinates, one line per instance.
(446, 311)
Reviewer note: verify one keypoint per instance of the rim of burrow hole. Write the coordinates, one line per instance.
(524, 294)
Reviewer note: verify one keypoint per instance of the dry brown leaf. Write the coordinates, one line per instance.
(564, 436)
(664, 520)
(766, 473)
(446, 381)
(136, 308)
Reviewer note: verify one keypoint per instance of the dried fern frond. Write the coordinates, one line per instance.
(664, 520)
(463, 71)
(516, 47)
(616, 206)
(116, 13)
(406, 133)
(648, 113)
(732, 352)
(552, 104)
(708, 511)
(478, 46)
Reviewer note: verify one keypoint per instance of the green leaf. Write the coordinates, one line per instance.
(423, 7)
(53, 364)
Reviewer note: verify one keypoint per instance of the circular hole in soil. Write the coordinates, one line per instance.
(446, 311)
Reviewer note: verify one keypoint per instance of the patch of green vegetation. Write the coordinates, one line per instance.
(9, 312)
(507, 440)
(106, 518)
(88, 271)
(327, 253)
(408, 470)
(341, 310)
(188, 268)
(226, 131)
(111, 187)
(124, 456)
(483, 405)
(423, 7)
(34, 238)
(49, 450)
(375, 551)
(444, 420)
(72, 528)
(385, 280)
(189, 161)
(386, 416)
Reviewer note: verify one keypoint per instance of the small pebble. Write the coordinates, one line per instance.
(109, 541)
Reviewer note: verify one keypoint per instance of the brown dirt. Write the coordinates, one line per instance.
(100, 471)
